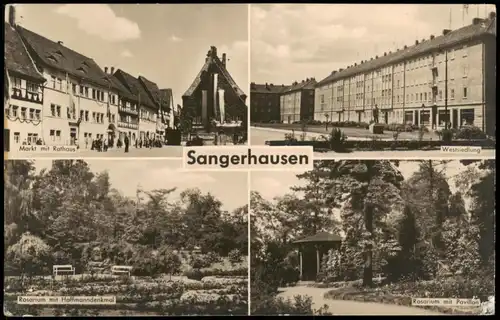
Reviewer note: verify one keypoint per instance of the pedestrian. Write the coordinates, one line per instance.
(127, 141)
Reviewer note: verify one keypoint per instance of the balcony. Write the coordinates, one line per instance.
(128, 125)
(130, 111)
(25, 95)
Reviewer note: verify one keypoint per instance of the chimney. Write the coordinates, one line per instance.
(355, 64)
(446, 31)
(112, 70)
(224, 60)
(432, 37)
(385, 54)
(406, 47)
(12, 15)
(341, 69)
(492, 15)
(416, 42)
(371, 58)
(390, 52)
(106, 70)
(376, 57)
(397, 49)
(60, 42)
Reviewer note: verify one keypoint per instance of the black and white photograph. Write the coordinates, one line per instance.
(142, 236)
(367, 237)
(374, 79)
(124, 80)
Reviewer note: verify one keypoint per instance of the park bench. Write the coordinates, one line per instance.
(63, 268)
(121, 269)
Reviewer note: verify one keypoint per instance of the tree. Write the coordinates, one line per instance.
(373, 194)
(30, 256)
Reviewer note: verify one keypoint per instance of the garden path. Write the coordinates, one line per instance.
(345, 307)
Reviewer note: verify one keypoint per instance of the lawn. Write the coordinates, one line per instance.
(353, 133)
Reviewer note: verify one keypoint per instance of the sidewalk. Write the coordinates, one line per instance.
(316, 135)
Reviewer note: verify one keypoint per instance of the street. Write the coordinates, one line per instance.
(164, 152)
(259, 136)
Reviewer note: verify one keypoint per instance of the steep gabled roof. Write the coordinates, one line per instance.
(154, 92)
(303, 85)
(123, 91)
(267, 88)
(167, 96)
(56, 55)
(453, 37)
(16, 57)
(213, 59)
(135, 87)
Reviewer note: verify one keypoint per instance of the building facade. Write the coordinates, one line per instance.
(62, 97)
(265, 102)
(445, 79)
(297, 101)
(214, 95)
(24, 91)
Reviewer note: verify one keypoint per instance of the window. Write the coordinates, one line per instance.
(53, 110)
(31, 87)
(425, 96)
(467, 117)
(409, 117)
(38, 114)
(16, 83)
(94, 94)
(93, 117)
(322, 98)
(399, 84)
(465, 71)
(440, 94)
(425, 117)
(452, 94)
(73, 85)
(52, 135)
(17, 137)
(68, 113)
(82, 114)
(59, 84)
(53, 82)
(32, 114)
(87, 92)
(58, 135)
(465, 93)
(81, 90)
(87, 116)
(23, 113)
(421, 97)
(58, 110)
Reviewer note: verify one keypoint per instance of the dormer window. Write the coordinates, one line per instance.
(81, 69)
(85, 64)
(59, 53)
(52, 58)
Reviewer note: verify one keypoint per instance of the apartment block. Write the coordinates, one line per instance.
(450, 78)
(265, 102)
(297, 101)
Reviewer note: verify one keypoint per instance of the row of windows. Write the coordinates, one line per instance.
(23, 113)
(31, 87)
(84, 91)
(32, 138)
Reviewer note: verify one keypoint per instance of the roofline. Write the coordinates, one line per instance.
(31, 78)
(404, 58)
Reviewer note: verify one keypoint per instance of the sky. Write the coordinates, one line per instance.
(166, 43)
(278, 183)
(294, 42)
(231, 188)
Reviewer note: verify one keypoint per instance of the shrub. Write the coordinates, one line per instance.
(198, 262)
(336, 139)
(235, 256)
(446, 135)
(299, 305)
(470, 133)
(194, 274)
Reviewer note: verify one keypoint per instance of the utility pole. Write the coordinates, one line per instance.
(448, 116)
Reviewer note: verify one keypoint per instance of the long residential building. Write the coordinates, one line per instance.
(409, 85)
(297, 101)
(265, 102)
(62, 97)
